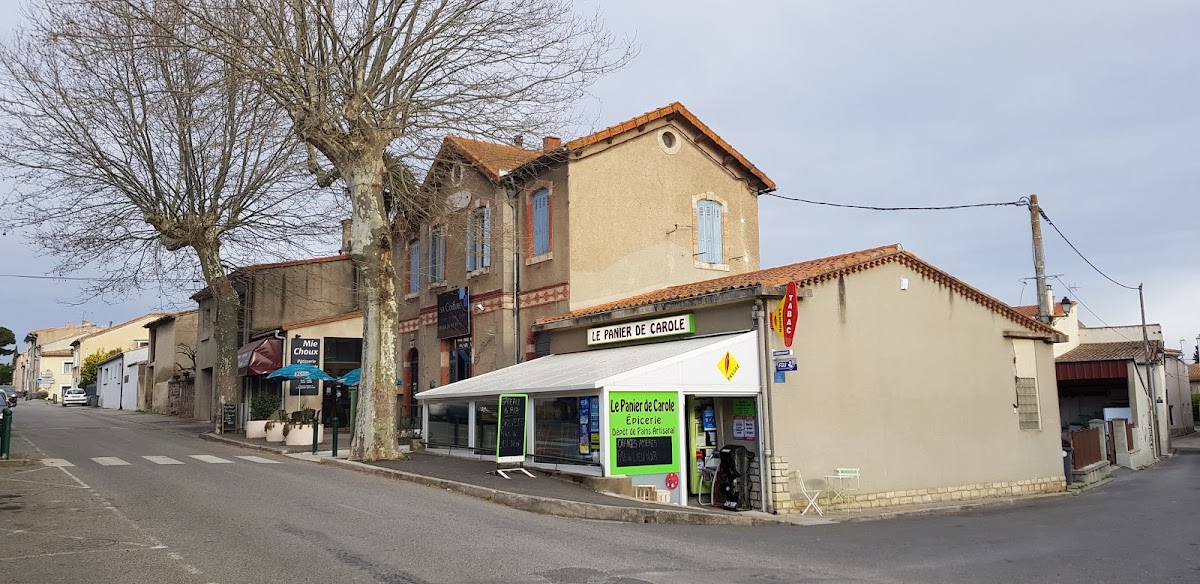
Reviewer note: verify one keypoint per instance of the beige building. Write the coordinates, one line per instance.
(126, 336)
(49, 357)
(168, 385)
(929, 389)
(530, 233)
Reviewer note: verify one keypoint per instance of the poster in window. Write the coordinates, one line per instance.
(585, 418)
(643, 432)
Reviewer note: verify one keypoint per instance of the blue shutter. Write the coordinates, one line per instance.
(414, 266)
(471, 241)
(486, 260)
(708, 229)
(541, 223)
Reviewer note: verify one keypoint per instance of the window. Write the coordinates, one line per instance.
(437, 254)
(486, 426)
(709, 232)
(67, 366)
(557, 430)
(541, 222)
(1028, 417)
(448, 423)
(414, 266)
(479, 239)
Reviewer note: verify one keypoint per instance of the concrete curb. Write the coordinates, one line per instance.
(561, 507)
(219, 438)
(898, 513)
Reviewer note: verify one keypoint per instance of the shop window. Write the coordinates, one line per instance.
(479, 239)
(448, 424)
(557, 431)
(710, 232)
(1028, 415)
(486, 426)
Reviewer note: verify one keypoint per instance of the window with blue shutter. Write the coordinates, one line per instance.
(541, 223)
(710, 234)
(414, 266)
(479, 239)
(437, 254)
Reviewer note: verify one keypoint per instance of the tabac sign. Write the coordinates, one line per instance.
(783, 318)
(680, 324)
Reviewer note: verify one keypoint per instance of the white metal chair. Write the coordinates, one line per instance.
(844, 481)
(708, 476)
(810, 495)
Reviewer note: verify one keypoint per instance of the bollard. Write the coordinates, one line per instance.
(335, 421)
(353, 408)
(316, 429)
(5, 433)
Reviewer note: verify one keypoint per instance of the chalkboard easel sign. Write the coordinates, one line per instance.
(228, 417)
(511, 434)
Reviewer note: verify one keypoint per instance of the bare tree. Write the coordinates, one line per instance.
(360, 78)
(152, 162)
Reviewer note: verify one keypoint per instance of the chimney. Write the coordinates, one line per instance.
(551, 143)
(519, 141)
(346, 225)
(1050, 298)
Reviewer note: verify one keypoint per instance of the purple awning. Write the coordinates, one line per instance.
(260, 357)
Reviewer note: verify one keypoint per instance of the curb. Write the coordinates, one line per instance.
(562, 507)
(530, 503)
(898, 513)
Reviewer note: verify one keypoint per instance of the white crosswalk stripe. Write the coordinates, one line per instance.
(260, 460)
(162, 460)
(56, 462)
(210, 459)
(109, 461)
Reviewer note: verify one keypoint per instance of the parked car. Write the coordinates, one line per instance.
(74, 396)
(8, 394)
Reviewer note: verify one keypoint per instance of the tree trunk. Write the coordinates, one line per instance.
(225, 377)
(371, 248)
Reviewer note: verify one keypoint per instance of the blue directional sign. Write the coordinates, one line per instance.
(785, 365)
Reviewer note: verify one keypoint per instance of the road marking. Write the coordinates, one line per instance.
(109, 461)
(260, 460)
(210, 459)
(56, 462)
(162, 460)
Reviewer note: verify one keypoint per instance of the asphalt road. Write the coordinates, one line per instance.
(179, 518)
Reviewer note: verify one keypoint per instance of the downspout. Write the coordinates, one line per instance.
(516, 276)
(765, 384)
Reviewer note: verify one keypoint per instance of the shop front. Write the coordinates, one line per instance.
(654, 412)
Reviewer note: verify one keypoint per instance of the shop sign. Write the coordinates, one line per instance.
(681, 324)
(643, 432)
(511, 432)
(307, 351)
(728, 366)
(780, 377)
(453, 314)
(785, 365)
(781, 353)
(783, 318)
(745, 423)
(228, 417)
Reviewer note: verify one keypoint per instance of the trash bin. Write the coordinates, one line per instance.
(93, 400)
(1067, 456)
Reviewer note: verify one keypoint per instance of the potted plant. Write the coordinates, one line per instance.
(276, 426)
(262, 405)
(299, 430)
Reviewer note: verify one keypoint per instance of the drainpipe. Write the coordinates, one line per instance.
(765, 383)
(516, 276)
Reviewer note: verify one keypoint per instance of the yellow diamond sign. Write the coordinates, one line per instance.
(728, 366)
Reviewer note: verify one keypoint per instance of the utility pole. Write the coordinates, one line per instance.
(1151, 392)
(1039, 261)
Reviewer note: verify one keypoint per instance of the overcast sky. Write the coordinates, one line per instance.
(1093, 105)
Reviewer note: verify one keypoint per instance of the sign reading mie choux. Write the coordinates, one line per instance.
(680, 324)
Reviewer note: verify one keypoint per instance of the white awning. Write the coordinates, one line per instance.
(693, 365)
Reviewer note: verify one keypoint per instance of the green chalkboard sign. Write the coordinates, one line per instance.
(512, 431)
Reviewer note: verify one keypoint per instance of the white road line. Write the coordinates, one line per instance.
(210, 459)
(56, 462)
(260, 460)
(109, 461)
(162, 460)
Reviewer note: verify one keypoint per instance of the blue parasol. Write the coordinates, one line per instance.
(350, 378)
(300, 371)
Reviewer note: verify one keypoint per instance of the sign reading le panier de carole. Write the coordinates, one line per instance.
(680, 324)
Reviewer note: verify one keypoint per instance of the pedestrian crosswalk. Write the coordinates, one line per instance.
(157, 460)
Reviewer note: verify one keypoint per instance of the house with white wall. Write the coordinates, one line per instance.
(118, 379)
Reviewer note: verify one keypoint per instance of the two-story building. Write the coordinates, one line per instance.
(168, 387)
(126, 336)
(49, 358)
(655, 201)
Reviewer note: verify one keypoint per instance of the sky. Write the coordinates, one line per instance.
(1092, 105)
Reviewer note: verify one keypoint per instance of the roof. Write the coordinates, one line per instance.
(1194, 372)
(317, 321)
(1032, 311)
(1122, 351)
(58, 353)
(492, 159)
(813, 272)
(166, 317)
(665, 363)
(156, 315)
(673, 109)
(204, 292)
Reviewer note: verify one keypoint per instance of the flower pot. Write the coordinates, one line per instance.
(302, 435)
(256, 429)
(275, 432)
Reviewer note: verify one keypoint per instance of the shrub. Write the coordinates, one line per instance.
(41, 395)
(262, 405)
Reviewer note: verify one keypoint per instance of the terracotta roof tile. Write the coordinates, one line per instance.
(494, 160)
(813, 272)
(58, 353)
(1031, 311)
(1194, 372)
(675, 108)
(1123, 351)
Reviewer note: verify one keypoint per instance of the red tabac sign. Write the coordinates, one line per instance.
(783, 318)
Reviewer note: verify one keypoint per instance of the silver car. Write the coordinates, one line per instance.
(74, 396)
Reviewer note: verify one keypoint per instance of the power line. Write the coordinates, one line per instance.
(1075, 293)
(89, 279)
(1080, 254)
(1019, 203)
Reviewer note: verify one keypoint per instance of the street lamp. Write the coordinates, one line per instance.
(1067, 304)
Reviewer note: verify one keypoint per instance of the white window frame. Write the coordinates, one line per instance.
(68, 367)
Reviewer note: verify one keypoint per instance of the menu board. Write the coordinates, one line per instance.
(228, 417)
(510, 438)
